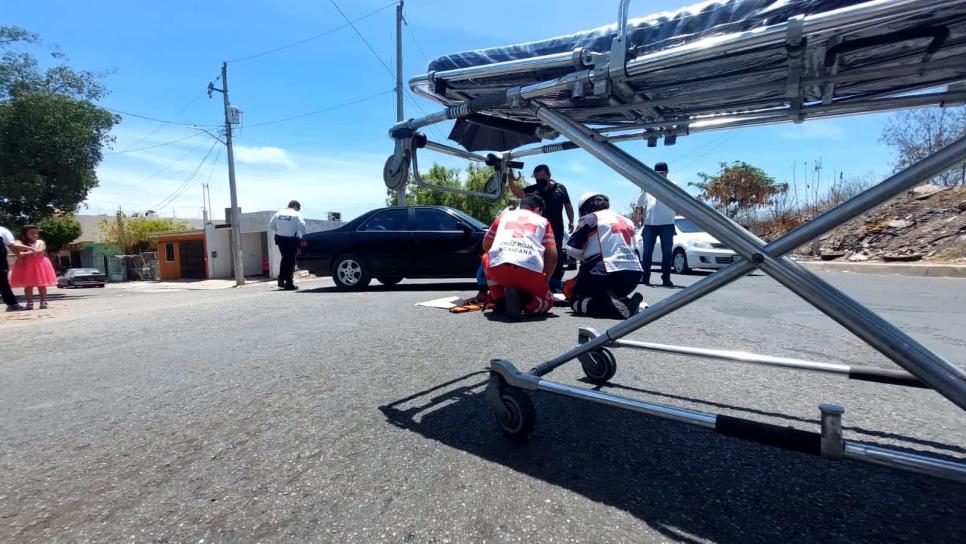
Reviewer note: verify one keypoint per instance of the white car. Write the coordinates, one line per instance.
(693, 248)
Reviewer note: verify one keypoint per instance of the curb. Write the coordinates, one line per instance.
(916, 270)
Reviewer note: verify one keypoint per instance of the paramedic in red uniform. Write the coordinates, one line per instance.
(519, 256)
(609, 269)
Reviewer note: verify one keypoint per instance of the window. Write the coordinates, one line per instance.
(685, 225)
(436, 220)
(394, 219)
(169, 252)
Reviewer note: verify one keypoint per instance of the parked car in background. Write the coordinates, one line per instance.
(693, 248)
(82, 277)
(390, 244)
(569, 262)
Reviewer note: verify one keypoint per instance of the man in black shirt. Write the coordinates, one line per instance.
(557, 200)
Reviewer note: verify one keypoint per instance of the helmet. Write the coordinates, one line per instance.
(592, 197)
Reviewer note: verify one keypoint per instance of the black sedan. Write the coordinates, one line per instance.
(82, 277)
(390, 244)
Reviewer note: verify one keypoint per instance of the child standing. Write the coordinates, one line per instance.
(33, 269)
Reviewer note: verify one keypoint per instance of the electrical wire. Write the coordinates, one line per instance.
(187, 182)
(316, 36)
(155, 119)
(703, 155)
(363, 38)
(152, 146)
(166, 167)
(317, 112)
(419, 47)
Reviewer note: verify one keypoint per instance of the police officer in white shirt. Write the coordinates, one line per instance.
(289, 228)
(658, 222)
(9, 242)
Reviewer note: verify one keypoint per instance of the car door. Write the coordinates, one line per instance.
(443, 244)
(385, 242)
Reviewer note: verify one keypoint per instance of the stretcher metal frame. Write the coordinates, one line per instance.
(609, 73)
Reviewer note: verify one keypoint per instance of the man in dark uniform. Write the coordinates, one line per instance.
(556, 200)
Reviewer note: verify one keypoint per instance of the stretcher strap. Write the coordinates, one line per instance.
(772, 435)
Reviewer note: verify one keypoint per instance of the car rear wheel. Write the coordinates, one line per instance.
(351, 272)
(680, 262)
(389, 281)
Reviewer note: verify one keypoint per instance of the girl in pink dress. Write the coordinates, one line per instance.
(33, 269)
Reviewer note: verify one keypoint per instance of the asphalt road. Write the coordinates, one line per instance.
(248, 414)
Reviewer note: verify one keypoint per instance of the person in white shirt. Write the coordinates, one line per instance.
(10, 244)
(658, 222)
(289, 228)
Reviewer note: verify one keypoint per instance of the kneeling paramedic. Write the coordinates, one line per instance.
(609, 269)
(520, 254)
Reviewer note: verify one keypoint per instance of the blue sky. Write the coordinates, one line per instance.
(162, 54)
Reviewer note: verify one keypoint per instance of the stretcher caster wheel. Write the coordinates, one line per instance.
(599, 365)
(520, 416)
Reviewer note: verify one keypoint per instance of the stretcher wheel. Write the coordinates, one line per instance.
(599, 365)
(520, 415)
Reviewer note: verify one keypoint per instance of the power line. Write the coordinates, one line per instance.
(415, 41)
(703, 155)
(316, 112)
(153, 146)
(363, 38)
(155, 119)
(181, 189)
(173, 117)
(314, 37)
(169, 165)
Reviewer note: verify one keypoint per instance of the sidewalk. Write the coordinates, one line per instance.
(182, 285)
(898, 269)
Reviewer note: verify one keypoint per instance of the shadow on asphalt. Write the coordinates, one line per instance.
(952, 449)
(688, 483)
(402, 287)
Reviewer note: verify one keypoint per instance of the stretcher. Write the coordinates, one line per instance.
(712, 66)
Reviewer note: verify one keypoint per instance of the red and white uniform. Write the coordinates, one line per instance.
(519, 239)
(608, 236)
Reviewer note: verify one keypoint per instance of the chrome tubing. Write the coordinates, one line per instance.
(456, 152)
(664, 411)
(857, 205)
(902, 349)
(921, 464)
(739, 357)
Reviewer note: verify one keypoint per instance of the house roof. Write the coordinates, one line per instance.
(91, 230)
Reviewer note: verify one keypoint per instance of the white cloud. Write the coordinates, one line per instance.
(259, 155)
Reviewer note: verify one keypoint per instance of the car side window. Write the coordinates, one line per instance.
(436, 220)
(387, 220)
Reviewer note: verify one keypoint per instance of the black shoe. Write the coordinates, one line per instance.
(15, 308)
(667, 283)
(514, 304)
(634, 303)
(618, 307)
(646, 280)
(291, 287)
(499, 306)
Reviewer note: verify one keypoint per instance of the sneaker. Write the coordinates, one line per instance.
(667, 283)
(291, 287)
(29, 306)
(634, 303)
(618, 306)
(43, 305)
(15, 308)
(514, 305)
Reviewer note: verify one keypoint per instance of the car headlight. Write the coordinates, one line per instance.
(701, 245)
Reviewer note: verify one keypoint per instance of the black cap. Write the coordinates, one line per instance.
(661, 167)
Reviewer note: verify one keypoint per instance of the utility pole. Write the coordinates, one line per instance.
(239, 263)
(400, 194)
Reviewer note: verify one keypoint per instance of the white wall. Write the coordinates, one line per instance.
(218, 242)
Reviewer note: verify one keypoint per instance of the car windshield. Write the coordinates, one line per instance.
(471, 220)
(685, 225)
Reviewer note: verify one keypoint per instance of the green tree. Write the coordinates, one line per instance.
(59, 230)
(51, 134)
(738, 187)
(135, 234)
(476, 177)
